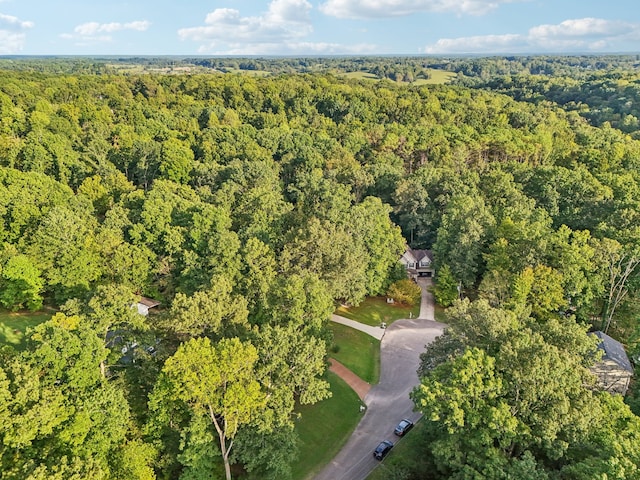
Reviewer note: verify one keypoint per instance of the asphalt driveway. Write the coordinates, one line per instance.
(388, 402)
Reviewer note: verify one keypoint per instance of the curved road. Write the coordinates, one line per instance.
(388, 402)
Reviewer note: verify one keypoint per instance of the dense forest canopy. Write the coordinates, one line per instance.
(250, 205)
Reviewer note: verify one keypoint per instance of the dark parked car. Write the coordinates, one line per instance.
(403, 427)
(381, 450)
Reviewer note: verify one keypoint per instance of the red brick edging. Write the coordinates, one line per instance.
(355, 382)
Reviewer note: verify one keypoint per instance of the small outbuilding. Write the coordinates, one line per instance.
(614, 370)
(144, 304)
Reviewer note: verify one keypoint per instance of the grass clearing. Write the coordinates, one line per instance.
(13, 325)
(359, 75)
(325, 427)
(357, 351)
(375, 310)
(440, 314)
(438, 77)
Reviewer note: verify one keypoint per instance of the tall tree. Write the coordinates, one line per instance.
(330, 251)
(382, 241)
(215, 311)
(21, 283)
(622, 266)
(213, 381)
(462, 237)
(112, 313)
(446, 290)
(67, 253)
(64, 420)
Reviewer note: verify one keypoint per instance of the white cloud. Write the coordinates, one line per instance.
(92, 28)
(397, 8)
(593, 34)
(12, 33)
(94, 32)
(284, 21)
(582, 27)
(574, 35)
(280, 30)
(9, 21)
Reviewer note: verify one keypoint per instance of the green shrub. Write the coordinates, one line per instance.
(404, 291)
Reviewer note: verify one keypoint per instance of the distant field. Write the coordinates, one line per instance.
(136, 69)
(252, 73)
(13, 325)
(438, 77)
(359, 75)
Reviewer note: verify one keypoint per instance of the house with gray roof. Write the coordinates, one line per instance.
(419, 263)
(614, 370)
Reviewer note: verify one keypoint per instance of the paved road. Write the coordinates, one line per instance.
(388, 402)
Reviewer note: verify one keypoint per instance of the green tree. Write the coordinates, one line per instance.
(216, 382)
(258, 275)
(302, 301)
(465, 401)
(111, 311)
(266, 455)
(446, 290)
(291, 367)
(547, 295)
(382, 240)
(176, 160)
(67, 253)
(622, 265)
(462, 237)
(64, 420)
(405, 291)
(20, 284)
(214, 311)
(133, 461)
(331, 252)
(535, 372)
(573, 254)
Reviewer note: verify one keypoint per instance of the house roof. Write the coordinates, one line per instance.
(417, 255)
(148, 302)
(613, 350)
(420, 254)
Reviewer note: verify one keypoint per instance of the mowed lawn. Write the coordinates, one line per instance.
(357, 351)
(13, 325)
(438, 77)
(325, 427)
(440, 314)
(375, 310)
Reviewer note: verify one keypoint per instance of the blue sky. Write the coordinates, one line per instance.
(317, 27)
